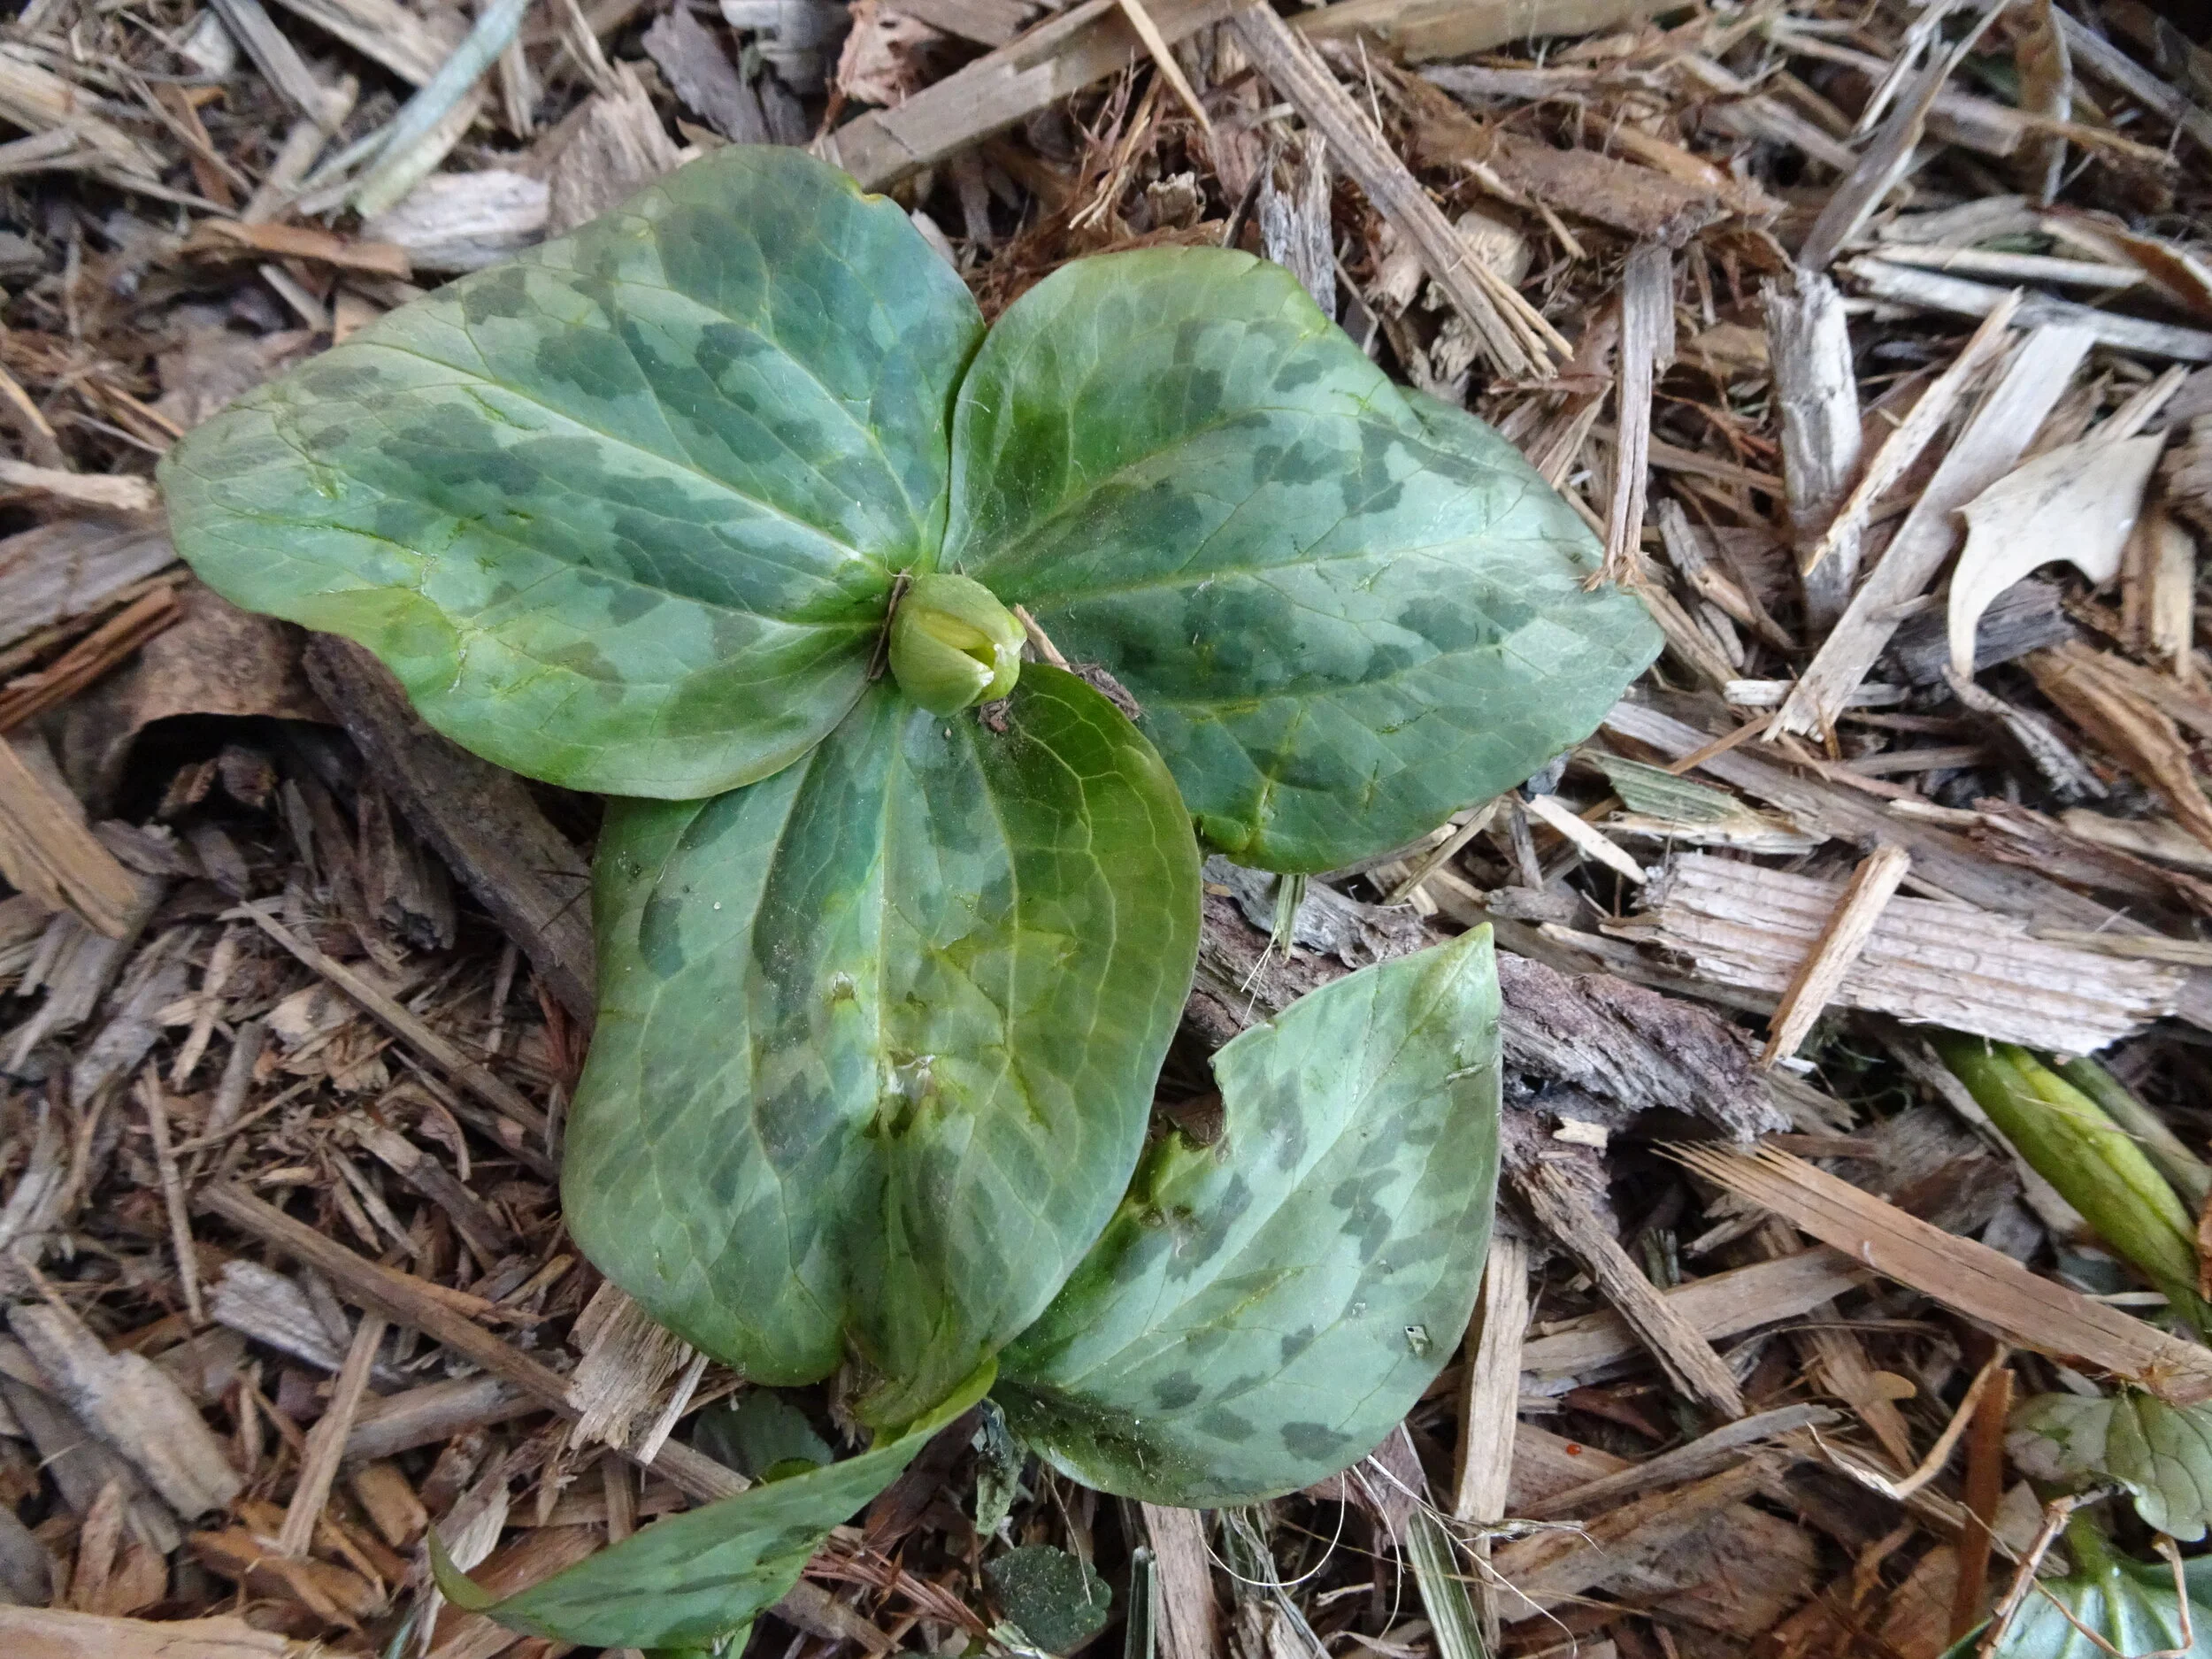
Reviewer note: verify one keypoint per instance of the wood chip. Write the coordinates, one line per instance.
(1841, 938)
(47, 851)
(1943, 963)
(1708, 1455)
(1687, 1358)
(1189, 1620)
(1489, 1393)
(1809, 345)
(1300, 77)
(1989, 446)
(1913, 434)
(2023, 1308)
(408, 1301)
(133, 1405)
(493, 1091)
(1420, 30)
(482, 821)
(1587, 839)
(30, 1632)
(2100, 698)
(1541, 1571)
(1933, 291)
(115, 492)
(1086, 43)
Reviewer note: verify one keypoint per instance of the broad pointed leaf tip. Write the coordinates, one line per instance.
(455, 1585)
(623, 513)
(1346, 609)
(1260, 1313)
(878, 1035)
(695, 1578)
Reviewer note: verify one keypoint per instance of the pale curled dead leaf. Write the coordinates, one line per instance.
(2077, 502)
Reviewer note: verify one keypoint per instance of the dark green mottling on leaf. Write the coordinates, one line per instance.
(879, 1090)
(1162, 1371)
(728, 398)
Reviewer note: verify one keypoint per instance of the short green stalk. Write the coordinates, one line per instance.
(2096, 1165)
(2191, 1175)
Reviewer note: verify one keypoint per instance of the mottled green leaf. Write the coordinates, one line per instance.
(697, 1575)
(1261, 1312)
(1346, 609)
(2161, 1454)
(622, 513)
(760, 1434)
(1056, 1600)
(2132, 1605)
(878, 1035)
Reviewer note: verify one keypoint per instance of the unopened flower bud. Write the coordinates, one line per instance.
(952, 644)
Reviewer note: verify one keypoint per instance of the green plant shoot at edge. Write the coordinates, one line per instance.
(886, 979)
(2095, 1165)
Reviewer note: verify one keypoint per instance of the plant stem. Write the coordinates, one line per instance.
(2096, 1167)
(2091, 1549)
(2191, 1175)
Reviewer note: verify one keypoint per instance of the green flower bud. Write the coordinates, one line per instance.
(952, 644)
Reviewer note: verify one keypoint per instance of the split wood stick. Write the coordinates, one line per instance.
(157, 1107)
(1687, 1358)
(1061, 56)
(90, 657)
(388, 1424)
(1646, 347)
(2024, 1309)
(1932, 290)
(406, 1300)
(1189, 1622)
(1489, 1410)
(1552, 1566)
(1586, 839)
(47, 851)
(1925, 419)
(1813, 987)
(1163, 59)
(1297, 73)
(2101, 57)
(1985, 1489)
(1889, 157)
(1445, 851)
(1816, 391)
(1490, 1391)
(1833, 1351)
(1418, 31)
(495, 1092)
(621, 1495)
(1717, 1306)
(327, 1441)
(1948, 862)
(1708, 1455)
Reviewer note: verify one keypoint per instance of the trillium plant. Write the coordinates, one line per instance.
(722, 506)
